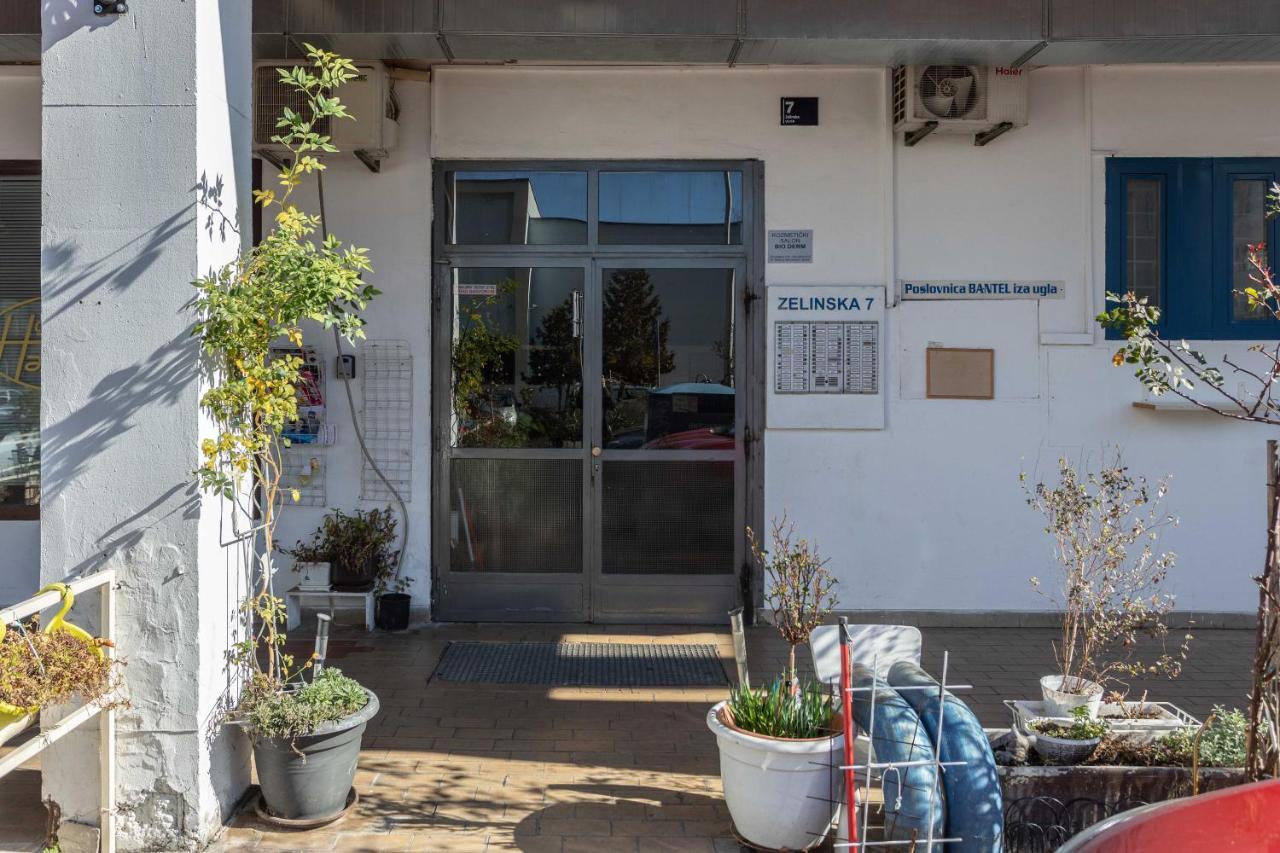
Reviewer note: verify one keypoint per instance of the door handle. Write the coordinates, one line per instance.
(595, 464)
(595, 452)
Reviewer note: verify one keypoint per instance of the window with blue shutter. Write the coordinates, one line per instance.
(1178, 233)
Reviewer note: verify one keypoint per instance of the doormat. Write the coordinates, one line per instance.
(582, 664)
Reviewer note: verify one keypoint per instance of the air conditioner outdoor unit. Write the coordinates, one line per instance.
(368, 98)
(983, 100)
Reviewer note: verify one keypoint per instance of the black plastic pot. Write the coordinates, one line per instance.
(312, 786)
(393, 611)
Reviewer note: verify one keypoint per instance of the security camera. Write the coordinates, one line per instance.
(103, 9)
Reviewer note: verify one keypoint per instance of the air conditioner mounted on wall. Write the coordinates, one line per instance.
(369, 98)
(982, 100)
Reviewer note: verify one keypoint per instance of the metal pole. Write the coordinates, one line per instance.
(322, 643)
(739, 646)
(846, 714)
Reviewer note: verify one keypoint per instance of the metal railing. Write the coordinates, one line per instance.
(103, 708)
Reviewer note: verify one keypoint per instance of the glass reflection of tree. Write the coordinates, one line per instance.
(636, 355)
(481, 364)
(555, 361)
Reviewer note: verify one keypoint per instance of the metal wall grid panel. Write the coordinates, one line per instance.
(388, 421)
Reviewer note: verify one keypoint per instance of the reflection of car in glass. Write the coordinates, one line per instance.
(690, 416)
(703, 438)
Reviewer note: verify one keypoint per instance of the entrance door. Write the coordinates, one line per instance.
(665, 454)
(589, 396)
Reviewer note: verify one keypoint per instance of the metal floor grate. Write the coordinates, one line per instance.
(583, 664)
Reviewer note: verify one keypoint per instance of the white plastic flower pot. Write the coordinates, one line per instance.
(782, 794)
(1060, 703)
(1061, 750)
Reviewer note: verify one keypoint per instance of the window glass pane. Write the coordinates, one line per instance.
(664, 208)
(517, 208)
(1143, 234)
(1248, 227)
(19, 345)
(668, 355)
(517, 357)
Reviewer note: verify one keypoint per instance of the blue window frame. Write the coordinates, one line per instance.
(1178, 229)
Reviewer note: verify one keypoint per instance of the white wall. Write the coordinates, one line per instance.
(927, 514)
(19, 140)
(389, 213)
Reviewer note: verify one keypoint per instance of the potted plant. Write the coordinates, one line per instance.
(393, 601)
(1058, 743)
(294, 274)
(778, 745)
(358, 546)
(1104, 526)
(42, 668)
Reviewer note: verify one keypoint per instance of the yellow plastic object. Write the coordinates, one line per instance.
(12, 713)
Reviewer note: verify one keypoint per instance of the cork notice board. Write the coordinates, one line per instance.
(960, 374)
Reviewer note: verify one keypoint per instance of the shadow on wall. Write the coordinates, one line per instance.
(62, 18)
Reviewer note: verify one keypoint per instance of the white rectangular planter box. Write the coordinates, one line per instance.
(1166, 718)
(313, 577)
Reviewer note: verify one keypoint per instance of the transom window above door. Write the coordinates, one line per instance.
(624, 205)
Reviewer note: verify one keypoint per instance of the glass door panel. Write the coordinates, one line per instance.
(667, 371)
(516, 465)
(669, 416)
(517, 357)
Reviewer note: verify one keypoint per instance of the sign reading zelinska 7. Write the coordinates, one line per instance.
(824, 303)
(949, 289)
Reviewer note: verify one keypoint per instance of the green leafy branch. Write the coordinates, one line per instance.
(258, 300)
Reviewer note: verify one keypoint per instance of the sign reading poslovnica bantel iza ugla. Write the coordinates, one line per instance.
(958, 289)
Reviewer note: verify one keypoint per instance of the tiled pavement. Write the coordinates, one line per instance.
(484, 768)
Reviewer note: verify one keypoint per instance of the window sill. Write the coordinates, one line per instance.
(1169, 406)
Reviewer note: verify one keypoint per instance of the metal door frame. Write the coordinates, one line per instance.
(748, 261)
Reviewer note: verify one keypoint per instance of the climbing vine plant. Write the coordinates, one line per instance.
(260, 299)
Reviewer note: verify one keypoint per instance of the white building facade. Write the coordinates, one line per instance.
(610, 479)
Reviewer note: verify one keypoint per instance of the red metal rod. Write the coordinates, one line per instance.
(846, 713)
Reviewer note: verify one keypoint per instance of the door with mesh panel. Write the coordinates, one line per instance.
(514, 455)
(667, 426)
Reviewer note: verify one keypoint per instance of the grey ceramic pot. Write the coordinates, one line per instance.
(312, 786)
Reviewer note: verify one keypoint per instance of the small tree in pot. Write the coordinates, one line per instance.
(306, 736)
(799, 585)
(777, 744)
(1105, 526)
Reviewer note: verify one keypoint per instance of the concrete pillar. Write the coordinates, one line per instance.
(146, 158)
